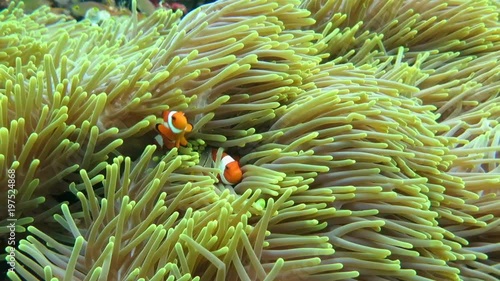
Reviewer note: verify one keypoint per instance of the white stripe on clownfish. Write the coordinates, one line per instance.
(171, 123)
(226, 160)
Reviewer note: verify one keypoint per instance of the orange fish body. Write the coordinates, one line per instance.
(230, 171)
(172, 130)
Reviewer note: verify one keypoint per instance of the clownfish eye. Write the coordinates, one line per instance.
(173, 118)
(227, 168)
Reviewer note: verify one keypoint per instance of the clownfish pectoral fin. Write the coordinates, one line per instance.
(189, 128)
(177, 142)
(183, 140)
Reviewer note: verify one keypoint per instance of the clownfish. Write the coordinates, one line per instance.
(230, 171)
(178, 6)
(172, 130)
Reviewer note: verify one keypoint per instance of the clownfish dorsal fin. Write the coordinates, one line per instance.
(159, 140)
(165, 115)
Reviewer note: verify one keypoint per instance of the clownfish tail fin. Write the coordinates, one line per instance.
(159, 140)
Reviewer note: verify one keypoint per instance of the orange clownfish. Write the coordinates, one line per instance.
(230, 171)
(172, 130)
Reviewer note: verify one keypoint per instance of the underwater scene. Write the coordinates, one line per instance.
(252, 140)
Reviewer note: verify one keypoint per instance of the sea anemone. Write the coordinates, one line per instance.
(369, 129)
